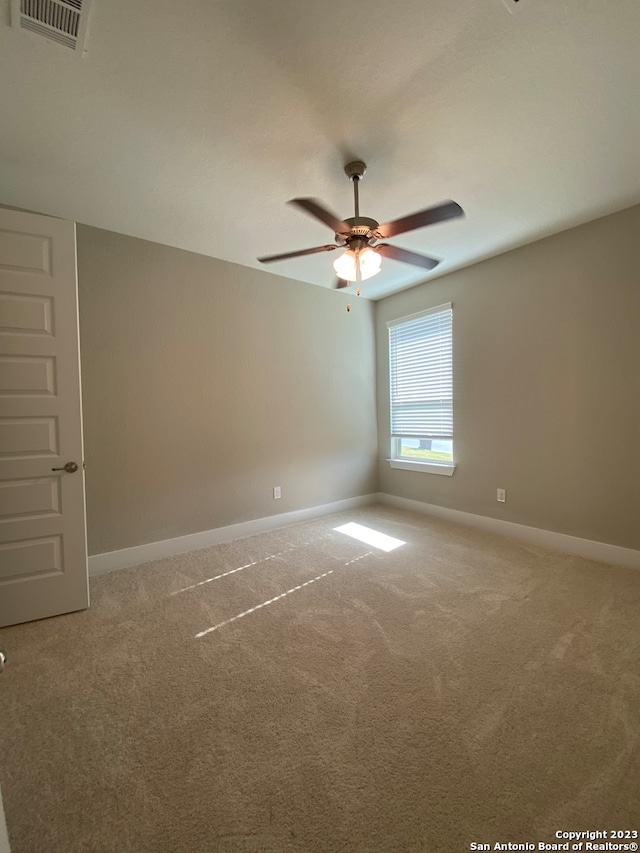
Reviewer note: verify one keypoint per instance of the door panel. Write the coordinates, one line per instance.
(34, 558)
(28, 438)
(22, 314)
(23, 499)
(43, 556)
(25, 252)
(27, 374)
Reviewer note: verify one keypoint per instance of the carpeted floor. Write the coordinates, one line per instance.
(461, 688)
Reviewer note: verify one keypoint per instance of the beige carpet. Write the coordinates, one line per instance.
(462, 688)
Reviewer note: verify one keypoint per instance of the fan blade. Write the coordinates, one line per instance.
(339, 283)
(430, 216)
(406, 256)
(270, 258)
(315, 209)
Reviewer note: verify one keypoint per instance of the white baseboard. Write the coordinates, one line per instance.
(548, 538)
(101, 563)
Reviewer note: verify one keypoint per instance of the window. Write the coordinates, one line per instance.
(421, 391)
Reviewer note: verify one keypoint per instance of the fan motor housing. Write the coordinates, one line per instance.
(361, 226)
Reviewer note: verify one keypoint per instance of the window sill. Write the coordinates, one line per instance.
(425, 467)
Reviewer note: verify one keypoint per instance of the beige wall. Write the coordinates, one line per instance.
(546, 384)
(206, 383)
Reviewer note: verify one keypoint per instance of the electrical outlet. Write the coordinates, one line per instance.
(502, 495)
(277, 493)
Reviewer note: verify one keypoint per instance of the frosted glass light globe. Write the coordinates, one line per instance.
(345, 266)
(368, 262)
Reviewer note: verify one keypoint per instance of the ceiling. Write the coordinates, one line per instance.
(191, 124)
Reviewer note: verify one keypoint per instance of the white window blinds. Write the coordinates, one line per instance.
(421, 374)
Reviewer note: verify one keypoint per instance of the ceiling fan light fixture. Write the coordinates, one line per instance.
(359, 235)
(357, 265)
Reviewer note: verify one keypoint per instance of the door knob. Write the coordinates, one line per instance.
(70, 468)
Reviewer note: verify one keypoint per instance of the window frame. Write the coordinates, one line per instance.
(395, 461)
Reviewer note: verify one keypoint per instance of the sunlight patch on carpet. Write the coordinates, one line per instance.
(277, 597)
(260, 606)
(370, 536)
(240, 568)
(217, 577)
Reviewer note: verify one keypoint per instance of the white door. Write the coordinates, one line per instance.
(43, 551)
(4, 838)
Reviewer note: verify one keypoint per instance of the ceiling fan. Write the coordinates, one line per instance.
(359, 235)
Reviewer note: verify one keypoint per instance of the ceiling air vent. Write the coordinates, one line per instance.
(61, 21)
